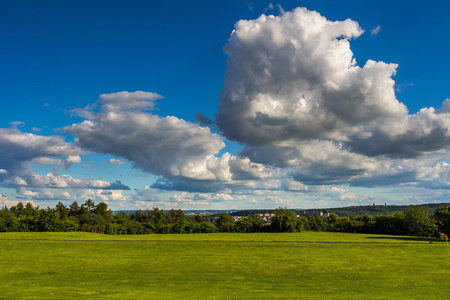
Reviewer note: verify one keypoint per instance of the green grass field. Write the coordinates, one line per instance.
(222, 266)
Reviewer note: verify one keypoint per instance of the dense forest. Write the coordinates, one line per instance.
(414, 221)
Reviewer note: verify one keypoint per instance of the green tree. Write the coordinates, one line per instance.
(74, 209)
(192, 227)
(392, 223)
(17, 209)
(103, 211)
(9, 221)
(179, 226)
(284, 220)
(442, 217)
(332, 222)
(158, 219)
(84, 210)
(90, 205)
(207, 227)
(62, 211)
(226, 223)
(139, 216)
(174, 216)
(224, 218)
(249, 224)
(170, 216)
(419, 222)
(29, 210)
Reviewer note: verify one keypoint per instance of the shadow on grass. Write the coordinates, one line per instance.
(406, 238)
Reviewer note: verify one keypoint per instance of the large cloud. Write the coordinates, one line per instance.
(165, 146)
(294, 77)
(180, 151)
(296, 99)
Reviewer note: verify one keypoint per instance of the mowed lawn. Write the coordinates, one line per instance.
(222, 266)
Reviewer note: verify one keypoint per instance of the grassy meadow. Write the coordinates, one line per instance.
(222, 266)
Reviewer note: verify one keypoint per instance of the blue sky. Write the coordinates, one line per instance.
(217, 105)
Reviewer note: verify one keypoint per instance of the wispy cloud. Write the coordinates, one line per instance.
(376, 30)
(401, 87)
(269, 7)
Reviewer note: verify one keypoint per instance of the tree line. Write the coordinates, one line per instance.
(415, 221)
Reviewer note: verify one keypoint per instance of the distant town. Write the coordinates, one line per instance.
(266, 218)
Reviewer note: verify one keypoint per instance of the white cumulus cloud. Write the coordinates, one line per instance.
(293, 77)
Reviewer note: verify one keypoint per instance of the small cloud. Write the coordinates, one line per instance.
(202, 120)
(250, 6)
(46, 105)
(269, 7)
(116, 162)
(336, 189)
(118, 185)
(401, 87)
(105, 185)
(87, 166)
(134, 101)
(69, 161)
(3, 171)
(18, 181)
(348, 196)
(35, 129)
(16, 123)
(376, 30)
(282, 11)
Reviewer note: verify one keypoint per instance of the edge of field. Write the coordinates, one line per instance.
(305, 237)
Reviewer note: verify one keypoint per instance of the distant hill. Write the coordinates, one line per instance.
(376, 210)
(373, 210)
